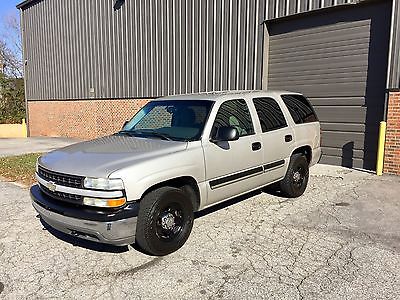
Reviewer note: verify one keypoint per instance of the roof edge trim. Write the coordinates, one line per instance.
(25, 3)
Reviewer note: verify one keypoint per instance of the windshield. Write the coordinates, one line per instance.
(178, 120)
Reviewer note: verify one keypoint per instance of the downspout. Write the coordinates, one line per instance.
(24, 61)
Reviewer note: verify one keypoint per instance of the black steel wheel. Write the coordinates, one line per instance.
(296, 179)
(169, 222)
(165, 221)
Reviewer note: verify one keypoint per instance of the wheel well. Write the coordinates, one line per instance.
(187, 184)
(306, 150)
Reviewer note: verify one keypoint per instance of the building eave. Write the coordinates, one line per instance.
(316, 11)
(25, 3)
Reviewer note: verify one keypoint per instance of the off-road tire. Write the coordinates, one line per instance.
(152, 207)
(290, 187)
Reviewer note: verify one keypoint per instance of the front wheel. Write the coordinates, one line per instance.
(295, 181)
(165, 221)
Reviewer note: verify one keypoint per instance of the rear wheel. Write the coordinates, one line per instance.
(165, 221)
(296, 179)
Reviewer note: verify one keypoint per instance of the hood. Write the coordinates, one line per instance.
(102, 156)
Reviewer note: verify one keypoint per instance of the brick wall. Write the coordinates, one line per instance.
(392, 145)
(81, 119)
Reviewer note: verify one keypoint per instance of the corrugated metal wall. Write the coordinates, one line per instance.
(84, 49)
(80, 49)
(283, 8)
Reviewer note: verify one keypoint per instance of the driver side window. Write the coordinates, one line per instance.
(234, 113)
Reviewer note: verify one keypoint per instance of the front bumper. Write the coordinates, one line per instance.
(116, 227)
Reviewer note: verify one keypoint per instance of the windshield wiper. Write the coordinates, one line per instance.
(140, 132)
(125, 132)
(153, 132)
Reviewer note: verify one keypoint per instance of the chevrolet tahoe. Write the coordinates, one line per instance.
(177, 155)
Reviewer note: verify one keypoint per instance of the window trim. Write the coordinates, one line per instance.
(280, 108)
(248, 108)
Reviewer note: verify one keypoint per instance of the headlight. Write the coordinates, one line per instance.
(98, 202)
(103, 184)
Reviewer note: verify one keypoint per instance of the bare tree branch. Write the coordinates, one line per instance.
(12, 34)
(11, 47)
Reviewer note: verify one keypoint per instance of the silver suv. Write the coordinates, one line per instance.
(176, 156)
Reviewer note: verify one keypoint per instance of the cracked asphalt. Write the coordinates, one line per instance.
(340, 240)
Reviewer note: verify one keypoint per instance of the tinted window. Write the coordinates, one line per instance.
(300, 109)
(269, 114)
(234, 113)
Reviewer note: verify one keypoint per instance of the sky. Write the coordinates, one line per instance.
(7, 7)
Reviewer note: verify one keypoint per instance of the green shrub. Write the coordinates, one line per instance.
(12, 100)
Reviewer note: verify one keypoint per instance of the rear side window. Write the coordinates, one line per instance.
(300, 109)
(270, 114)
(234, 113)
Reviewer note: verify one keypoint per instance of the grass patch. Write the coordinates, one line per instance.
(19, 168)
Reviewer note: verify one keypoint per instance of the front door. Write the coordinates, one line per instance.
(233, 167)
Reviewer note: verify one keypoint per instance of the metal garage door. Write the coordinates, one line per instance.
(337, 58)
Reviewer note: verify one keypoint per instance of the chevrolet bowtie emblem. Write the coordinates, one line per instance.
(51, 186)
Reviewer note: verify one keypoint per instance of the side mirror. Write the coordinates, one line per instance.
(226, 134)
(126, 122)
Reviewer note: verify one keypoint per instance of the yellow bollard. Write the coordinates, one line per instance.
(381, 148)
(24, 128)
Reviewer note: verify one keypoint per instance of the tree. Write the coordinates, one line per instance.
(12, 98)
(11, 47)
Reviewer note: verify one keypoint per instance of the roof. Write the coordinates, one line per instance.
(224, 95)
(26, 3)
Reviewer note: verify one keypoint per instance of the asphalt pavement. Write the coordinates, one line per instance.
(11, 146)
(341, 240)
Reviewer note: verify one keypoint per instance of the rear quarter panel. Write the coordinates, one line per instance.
(309, 134)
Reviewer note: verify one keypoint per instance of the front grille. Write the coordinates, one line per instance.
(61, 179)
(75, 199)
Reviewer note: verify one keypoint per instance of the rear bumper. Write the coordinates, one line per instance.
(108, 228)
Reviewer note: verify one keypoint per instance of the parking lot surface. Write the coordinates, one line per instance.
(341, 240)
(10, 146)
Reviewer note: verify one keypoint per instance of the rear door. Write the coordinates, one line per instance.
(233, 167)
(276, 136)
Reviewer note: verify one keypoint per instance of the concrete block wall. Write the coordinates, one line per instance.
(83, 119)
(13, 130)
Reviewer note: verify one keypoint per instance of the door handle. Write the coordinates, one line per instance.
(288, 138)
(256, 146)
